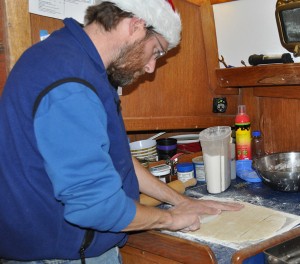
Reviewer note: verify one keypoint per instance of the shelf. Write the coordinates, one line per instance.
(259, 76)
(177, 122)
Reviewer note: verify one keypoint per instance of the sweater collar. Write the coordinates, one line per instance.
(85, 42)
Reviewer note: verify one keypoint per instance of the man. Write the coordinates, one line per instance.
(69, 188)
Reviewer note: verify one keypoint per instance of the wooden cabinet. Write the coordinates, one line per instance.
(272, 94)
(154, 247)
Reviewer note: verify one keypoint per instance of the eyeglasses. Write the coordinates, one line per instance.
(159, 53)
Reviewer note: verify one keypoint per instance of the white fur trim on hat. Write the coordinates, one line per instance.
(157, 13)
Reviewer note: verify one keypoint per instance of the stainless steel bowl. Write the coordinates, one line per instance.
(281, 171)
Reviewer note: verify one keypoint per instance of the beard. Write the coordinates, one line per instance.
(128, 65)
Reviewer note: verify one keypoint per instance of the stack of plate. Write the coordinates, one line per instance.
(144, 150)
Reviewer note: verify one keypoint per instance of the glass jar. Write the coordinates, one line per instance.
(162, 172)
(185, 171)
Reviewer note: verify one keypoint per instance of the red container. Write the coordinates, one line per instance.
(243, 134)
(188, 142)
(191, 147)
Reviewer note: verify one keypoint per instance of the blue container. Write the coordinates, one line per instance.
(244, 171)
(185, 171)
(185, 167)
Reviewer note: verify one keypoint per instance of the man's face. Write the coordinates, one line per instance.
(128, 65)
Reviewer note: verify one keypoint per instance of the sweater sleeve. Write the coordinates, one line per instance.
(71, 132)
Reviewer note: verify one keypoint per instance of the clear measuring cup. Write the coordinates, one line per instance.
(215, 142)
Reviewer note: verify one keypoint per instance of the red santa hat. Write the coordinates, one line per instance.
(160, 14)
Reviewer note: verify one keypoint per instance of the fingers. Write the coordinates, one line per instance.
(209, 210)
(195, 226)
(187, 215)
(224, 206)
(210, 207)
(215, 208)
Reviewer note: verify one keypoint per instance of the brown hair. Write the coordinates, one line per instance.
(108, 15)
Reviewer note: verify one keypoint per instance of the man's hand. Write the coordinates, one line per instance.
(186, 215)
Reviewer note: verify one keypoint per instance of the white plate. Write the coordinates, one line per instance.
(142, 145)
(188, 138)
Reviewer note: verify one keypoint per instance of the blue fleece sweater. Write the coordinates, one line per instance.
(65, 164)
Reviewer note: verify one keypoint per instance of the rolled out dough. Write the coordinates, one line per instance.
(204, 219)
(249, 224)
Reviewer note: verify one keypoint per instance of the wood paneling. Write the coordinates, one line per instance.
(2, 54)
(288, 92)
(17, 31)
(180, 93)
(2, 71)
(153, 247)
(272, 94)
(220, 1)
(280, 124)
(43, 23)
(260, 76)
(178, 122)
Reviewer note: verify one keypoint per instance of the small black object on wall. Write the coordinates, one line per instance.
(269, 59)
(219, 105)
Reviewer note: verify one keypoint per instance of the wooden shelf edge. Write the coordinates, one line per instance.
(171, 247)
(259, 76)
(177, 122)
(245, 253)
(227, 91)
(213, 2)
(287, 92)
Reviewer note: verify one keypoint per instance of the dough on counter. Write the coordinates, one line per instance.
(204, 219)
(249, 224)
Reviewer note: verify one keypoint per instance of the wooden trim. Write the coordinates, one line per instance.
(17, 32)
(213, 2)
(159, 245)
(259, 76)
(287, 92)
(273, 80)
(210, 44)
(227, 91)
(3, 71)
(177, 122)
(220, 1)
(149, 247)
(211, 48)
(248, 252)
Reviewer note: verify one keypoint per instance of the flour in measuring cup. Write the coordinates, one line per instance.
(217, 172)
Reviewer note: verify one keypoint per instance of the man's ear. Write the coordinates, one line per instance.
(136, 24)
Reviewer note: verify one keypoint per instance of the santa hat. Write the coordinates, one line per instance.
(160, 14)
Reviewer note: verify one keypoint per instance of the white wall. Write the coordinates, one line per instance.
(247, 27)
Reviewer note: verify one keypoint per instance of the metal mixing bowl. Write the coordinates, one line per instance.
(281, 171)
